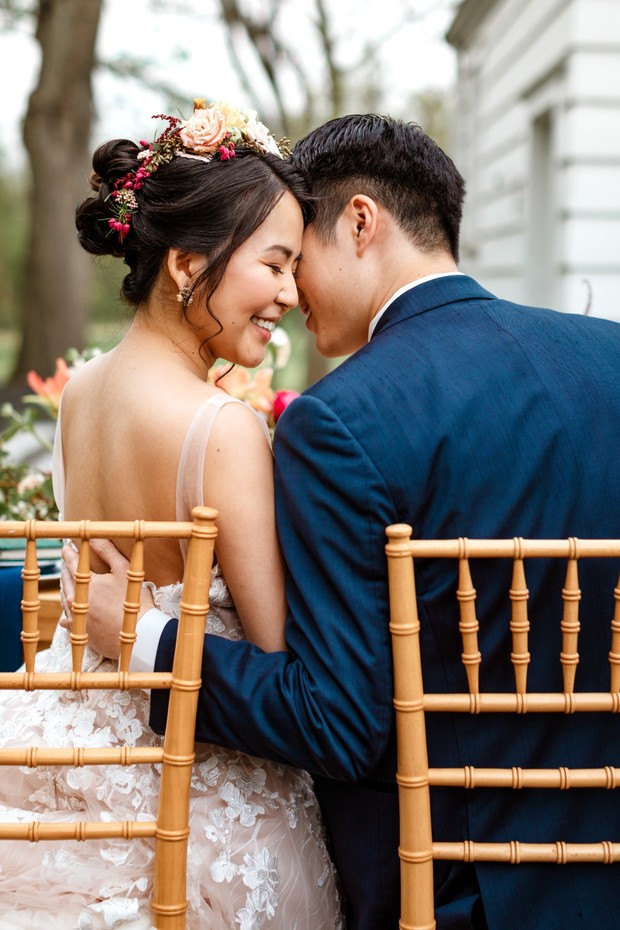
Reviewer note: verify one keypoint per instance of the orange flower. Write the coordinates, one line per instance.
(50, 390)
(255, 389)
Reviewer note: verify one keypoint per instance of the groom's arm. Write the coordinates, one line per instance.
(324, 705)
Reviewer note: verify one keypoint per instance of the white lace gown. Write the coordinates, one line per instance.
(257, 858)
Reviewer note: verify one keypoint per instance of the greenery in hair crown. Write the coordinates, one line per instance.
(212, 132)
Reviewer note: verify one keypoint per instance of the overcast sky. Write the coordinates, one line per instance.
(190, 55)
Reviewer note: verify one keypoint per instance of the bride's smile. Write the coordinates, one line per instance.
(258, 287)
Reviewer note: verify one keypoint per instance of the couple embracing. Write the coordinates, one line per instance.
(457, 412)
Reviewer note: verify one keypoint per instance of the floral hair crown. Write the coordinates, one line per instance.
(212, 132)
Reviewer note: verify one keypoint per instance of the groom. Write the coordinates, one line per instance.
(461, 414)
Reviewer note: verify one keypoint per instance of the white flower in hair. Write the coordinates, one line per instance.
(259, 133)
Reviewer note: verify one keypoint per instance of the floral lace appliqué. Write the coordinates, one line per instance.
(256, 856)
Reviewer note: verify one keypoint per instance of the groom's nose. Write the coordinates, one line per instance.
(302, 303)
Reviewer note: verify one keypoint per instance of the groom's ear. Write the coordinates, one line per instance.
(362, 215)
(183, 267)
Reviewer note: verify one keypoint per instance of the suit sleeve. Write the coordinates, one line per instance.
(325, 704)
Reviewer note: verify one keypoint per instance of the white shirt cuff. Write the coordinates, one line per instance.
(148, 633)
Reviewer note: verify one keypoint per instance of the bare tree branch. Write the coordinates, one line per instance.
(126, 66)
(14, 11)
(261, 36)
(234, 28)
(336, 74)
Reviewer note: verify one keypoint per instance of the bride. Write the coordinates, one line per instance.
(209, 221)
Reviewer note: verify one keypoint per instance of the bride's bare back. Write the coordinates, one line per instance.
(124, 418)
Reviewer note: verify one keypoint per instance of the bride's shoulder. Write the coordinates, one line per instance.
(238, 464)
(83, 371)
(200, 415)
(237, 426)
(84, 377)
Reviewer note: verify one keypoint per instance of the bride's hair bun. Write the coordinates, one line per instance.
(111, 161)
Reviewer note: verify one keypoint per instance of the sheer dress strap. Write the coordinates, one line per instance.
(190, 475)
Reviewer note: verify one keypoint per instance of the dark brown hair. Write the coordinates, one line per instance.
(395, 163)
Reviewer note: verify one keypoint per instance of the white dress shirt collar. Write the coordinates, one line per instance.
(402, 290)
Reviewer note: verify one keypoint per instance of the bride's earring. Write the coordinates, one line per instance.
(185, 296)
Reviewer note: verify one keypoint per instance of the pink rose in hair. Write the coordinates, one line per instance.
(204, 132)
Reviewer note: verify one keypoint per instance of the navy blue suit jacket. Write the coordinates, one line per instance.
(465, 415)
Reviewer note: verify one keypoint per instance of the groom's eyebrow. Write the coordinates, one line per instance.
(284, 250)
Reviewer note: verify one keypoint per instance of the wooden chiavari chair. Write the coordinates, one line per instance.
(171, 829)
(418, 849)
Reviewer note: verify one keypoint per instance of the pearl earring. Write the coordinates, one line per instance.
(185, 296)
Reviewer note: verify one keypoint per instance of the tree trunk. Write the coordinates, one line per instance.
(57, 138)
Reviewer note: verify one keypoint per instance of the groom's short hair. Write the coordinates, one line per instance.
(394, 162)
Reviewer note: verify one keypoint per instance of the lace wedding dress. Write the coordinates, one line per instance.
(257, 857)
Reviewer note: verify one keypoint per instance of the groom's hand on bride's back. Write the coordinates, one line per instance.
(105, 596)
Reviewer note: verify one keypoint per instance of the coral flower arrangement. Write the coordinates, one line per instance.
(255, 389)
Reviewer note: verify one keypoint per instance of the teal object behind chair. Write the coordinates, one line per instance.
(11, 656)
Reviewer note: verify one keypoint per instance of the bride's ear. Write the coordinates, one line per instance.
(184, 267)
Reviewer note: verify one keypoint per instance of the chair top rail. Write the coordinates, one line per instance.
(517, 548)
(97, 529)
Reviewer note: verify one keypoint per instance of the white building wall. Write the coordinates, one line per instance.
(538, 141)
